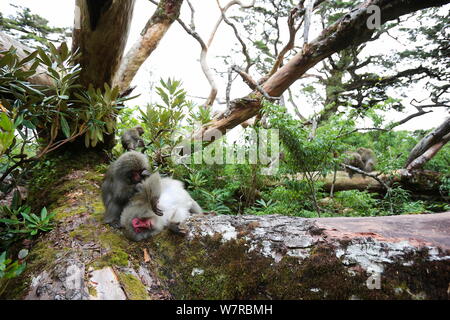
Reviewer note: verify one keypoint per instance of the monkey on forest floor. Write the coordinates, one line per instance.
(131, 138)
(363, 159)
(120, 183)
(139, 219)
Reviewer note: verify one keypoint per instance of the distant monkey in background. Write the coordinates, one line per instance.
(368, 158)
(363, 159)
(141, 220)
(131, 138)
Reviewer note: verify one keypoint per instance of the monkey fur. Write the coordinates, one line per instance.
(139, 219)
(131, 139)
(368, 158)
(120, 183)
(363, 159)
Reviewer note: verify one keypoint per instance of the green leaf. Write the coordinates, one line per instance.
(45, 59)
(43, 213)
(28, 58)
(65, 126)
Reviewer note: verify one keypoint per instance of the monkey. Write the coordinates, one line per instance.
(120, 183)
(368, 157)
(363, 159)
(131, 139)
(353, 159)
(139, 219)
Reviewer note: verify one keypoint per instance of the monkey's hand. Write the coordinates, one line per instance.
(115, 224)
(178, 228)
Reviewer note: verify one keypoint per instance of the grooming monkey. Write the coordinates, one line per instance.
(139, 219)
(120, 183)
(368, 158)
(363, 159)
(131, 139)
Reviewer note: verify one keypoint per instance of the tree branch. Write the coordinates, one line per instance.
(151, 35)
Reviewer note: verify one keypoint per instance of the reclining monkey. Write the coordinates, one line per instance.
(139, 219)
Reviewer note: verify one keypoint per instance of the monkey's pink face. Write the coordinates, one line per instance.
(138, 176)
(141, 224)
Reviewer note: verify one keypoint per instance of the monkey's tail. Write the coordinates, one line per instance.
(195, 208)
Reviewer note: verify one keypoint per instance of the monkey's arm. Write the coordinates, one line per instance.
(112, 213)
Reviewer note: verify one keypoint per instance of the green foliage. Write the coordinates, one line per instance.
(10, 269)
(216, 200)
(18, 222)
(6, 132)
(161, 121)
(360, 203)
(36, 119)
(398, 201)
(312, 154)
(30, 28)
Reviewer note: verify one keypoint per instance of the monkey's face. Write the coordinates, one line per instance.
(140, 130)
(141, 224)
(137, 176)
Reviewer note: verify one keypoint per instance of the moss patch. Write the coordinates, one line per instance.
(133, 287)
(206, 268)
(92, 291)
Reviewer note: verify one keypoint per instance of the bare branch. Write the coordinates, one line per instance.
(296, 109)
(224, 9)
(367, 174)
(308, 13)
(203, 62)
(252, 83)
(238, 37)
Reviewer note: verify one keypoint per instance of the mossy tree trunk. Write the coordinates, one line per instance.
(229, 257)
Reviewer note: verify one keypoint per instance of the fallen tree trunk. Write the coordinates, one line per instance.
(233, 257)
(422, 182)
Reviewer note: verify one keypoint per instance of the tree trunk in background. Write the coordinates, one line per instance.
(101, 33)
(155, 29)
(233, 257)
(351, 29)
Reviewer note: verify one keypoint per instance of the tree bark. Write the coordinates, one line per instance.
(233, 257)
(429, 146)
(428, 155)
(155, 29)
(100, 33)
(351, 29)
(6, 42)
